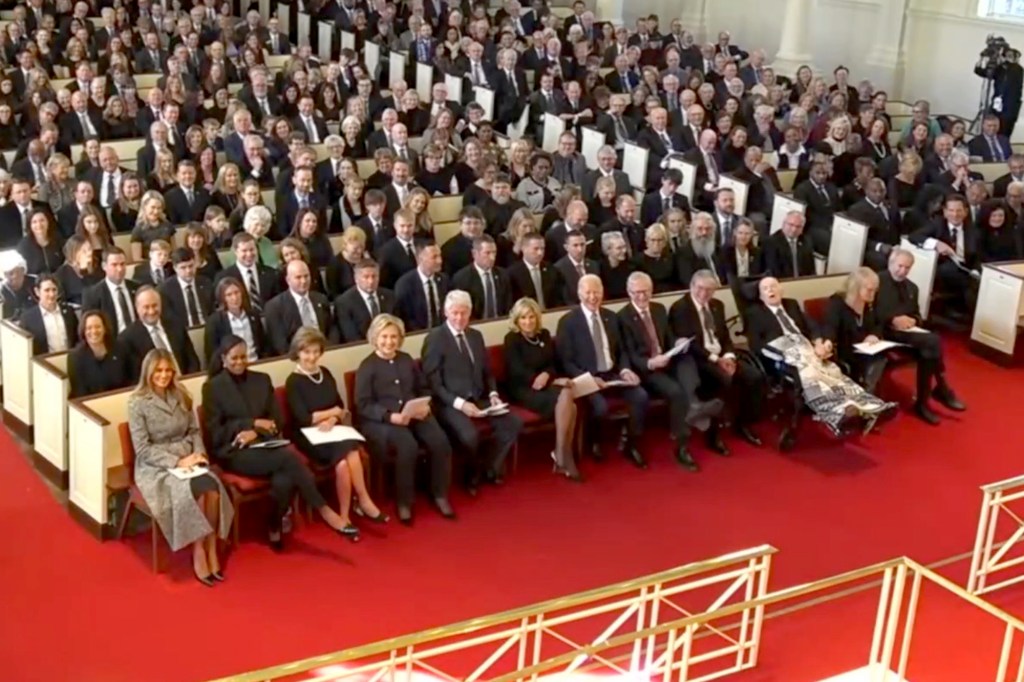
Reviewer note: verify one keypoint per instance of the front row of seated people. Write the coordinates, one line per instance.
(629, 348)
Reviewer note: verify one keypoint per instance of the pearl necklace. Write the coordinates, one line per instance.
(530, 341)
(319, 379)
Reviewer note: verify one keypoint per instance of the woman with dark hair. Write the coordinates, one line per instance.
(185, 499)
(242, 413)
(312, 235)
(94, 365)
(206, 259)
(124, 214)
(234, 315)
(314, 402)
(78, 271)
(41, 247)
(1001, 239)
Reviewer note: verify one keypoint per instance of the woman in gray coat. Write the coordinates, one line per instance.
(165, 435)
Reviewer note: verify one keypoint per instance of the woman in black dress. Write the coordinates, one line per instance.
(533, 381)
(41, 248)
(241, 411)
(850, 318)
(314, 401)
(386, 381)
(15, 287)
(657, 260)
(1001, 239)
(94, 365)
(615, 268)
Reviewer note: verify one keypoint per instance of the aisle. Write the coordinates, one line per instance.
(77, 609)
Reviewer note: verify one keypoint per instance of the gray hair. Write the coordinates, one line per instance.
(898, 251)
(704, 276)
(457, 298)
(257, 216)
(609, 238)
(333, 139)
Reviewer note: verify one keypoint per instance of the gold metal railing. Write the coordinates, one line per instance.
(667, 649)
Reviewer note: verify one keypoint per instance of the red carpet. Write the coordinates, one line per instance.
(74, 608)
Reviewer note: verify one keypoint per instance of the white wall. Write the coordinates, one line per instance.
(936, 41)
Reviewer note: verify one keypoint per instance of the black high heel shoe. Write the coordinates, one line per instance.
(381, 517)
(207, 582)
(350, 532)
(573, 475)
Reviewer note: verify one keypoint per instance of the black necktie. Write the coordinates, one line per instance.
(666, 204)
(374, 307)
(409, 251)
(787, 324)
(194, 318)
(126, 308)
(490, 300)
(111, 191)
(432, 313)
(464, 347)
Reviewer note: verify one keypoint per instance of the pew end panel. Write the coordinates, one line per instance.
(996, 332)
(16, 348)
(50, 389)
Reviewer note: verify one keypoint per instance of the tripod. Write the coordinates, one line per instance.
(984, 105)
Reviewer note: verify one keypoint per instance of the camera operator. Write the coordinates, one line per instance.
(999, 63)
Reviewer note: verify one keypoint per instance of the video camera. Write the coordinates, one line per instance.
(996, 52)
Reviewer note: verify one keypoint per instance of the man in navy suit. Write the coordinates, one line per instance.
(297, 307)
(589, 341)
(457, 365)
(957, 243)
(303, 196)
(420, 291)
(356, 308)
(990, 145)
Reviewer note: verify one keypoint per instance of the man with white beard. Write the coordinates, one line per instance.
(701, 252)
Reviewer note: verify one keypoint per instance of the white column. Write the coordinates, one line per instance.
(795, 46)
(885, 59)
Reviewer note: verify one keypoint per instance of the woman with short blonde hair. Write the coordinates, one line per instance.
(314, 402)
(850, 319)
(535, 383)
(393, 403)
(166, 438)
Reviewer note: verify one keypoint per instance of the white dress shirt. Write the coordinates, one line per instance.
(56, 330)
(242, 328)
(605, 350)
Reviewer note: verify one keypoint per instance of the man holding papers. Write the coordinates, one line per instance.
(900, 316)
(458, 368)
(700, 316)
(957, 242)
(665, 366)
(589, 341)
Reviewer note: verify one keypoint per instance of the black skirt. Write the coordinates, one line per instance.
(329, 454)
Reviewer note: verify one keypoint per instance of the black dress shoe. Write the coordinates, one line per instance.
(494, 478)
(684, 457)
(596, 453)
(444, 507)
(715, 444)
(925, 413)
(748, 435)
(634, 456)
(948, 398)
(274, 539)
(405, 515)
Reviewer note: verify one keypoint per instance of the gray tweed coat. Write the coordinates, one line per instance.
(162, 432)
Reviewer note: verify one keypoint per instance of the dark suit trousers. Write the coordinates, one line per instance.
(286, 471)
(821, 238)
(636, 403)
(677, 384)
(927, 349)
(952, 280)
(405, 442)
(876, 260)
(467, 432)
(742, 392)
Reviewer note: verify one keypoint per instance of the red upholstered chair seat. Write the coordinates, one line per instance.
(814, 308)
(243, 484)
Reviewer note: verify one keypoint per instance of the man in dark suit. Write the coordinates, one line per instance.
(700, 316)
(883, 222)
(531, 277)
(259, 98)
(990, 145)
(700, 251)
(487, 285)
(297, 307)
(151, 58)
(397, 255)
(187, 297)
(656, 203)
(308, 122)
(277, 42)
(355, 309)
(457, 365)
(420, 292)
(606, 160)
(660, 142)
(589, 340)
(775, 315)
(113, 295)
(61, 334)
(648, 339)
(622, 80)
(708, 160)
(186, 202)
(958, 244)
(822, 200)
(153, 329)
(14, 215)
(898, 310)
(145, 158)
(787, 253)
(457, 252)
(80, 123)
(67, 216)
(303, 196)
(573, 266)
(512, 90)
(544, 100)
(1016, 174)
(378, 230)
(261, 282)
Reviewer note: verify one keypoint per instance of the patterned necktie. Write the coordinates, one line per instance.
(709, 325)
(464, 347)
(374, 306)
(652, 334)
(787, 324)
(254, 290)
(490, 301)
(538, 286)
(307, 314)
(158, 337)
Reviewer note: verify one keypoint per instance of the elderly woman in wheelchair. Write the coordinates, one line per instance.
(791, 350)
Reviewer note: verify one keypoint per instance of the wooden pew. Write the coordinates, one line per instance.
(16, 350)
(922, 274)
(996, 333)
(93, 444)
